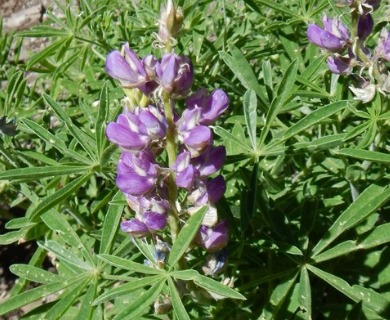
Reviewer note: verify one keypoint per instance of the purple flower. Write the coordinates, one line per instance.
(175, 73)
(126, 67)
(339, 65)
(197, 139)
(213, 238)
(150, 222)
(216, 188)
(133, 131)
(382, 50)
(210, 161)
(333, 37)
(136, 174)
(365, 26)
(185, 172)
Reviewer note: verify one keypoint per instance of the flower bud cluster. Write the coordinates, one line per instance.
(152, 186)
(347, 51)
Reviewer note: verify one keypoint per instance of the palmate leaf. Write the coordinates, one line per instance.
(366, 155)
(34, 274)
(369, 200)
(305, 294)
(101, 119)
(86, 308)
(217, 288)
(250, 112)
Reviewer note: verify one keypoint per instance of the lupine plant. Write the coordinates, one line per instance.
(198, 160)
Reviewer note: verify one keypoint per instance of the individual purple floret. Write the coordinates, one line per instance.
(126, 67)
(339, 65)
(333, 37)
(210, 161)
(150, 222)
(133, 131)
(213, 238)
(382, 50)
(211, 107)
(136, 174)
(365, 26)
(175, 73)
(186, 173)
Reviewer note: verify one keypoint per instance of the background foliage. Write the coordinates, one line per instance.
(307, 172)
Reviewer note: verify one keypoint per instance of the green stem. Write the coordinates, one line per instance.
(171, 147)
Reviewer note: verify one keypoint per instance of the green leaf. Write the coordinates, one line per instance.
(82, 138)
(185, 237)
(86, 308)
(243, 71)
(66, 255)
(366, 155)
(227, 136)
(11, 237)
(278, 7)
(184, 274)
(178, 306)
(369, 200)
(53, 140)
(143, 302)
(59, 196)
(305, 294)
(126, 288)
(48, 51)
(43, 31)
(34, 274)
(314, 118)
(102, 119)
(66, 300)
(57, 222)
(217, 287)
(35, 294)
(129, 265)
(371, 299)
(111, 224)
(380, 235)
(278, 296)
(283, 92)
(36, 173)
(250, 112)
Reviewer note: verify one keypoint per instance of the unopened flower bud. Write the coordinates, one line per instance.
(170, 22)
(365, 26)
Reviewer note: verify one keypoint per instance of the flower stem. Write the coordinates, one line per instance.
(171, 146)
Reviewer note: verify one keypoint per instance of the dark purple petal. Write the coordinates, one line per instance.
(216, 104)
(167, 71)
(365, 26)
(214, 239)
(198, 99)
(210, 161)
(184, 78)
(339, 65)
(155, 221)
(135, 228)
(216, 188)
(324, 39)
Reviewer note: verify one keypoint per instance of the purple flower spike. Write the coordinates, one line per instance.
(135, 228)
(155, 221)
(339, 65)
(216, 188)
(215, 238)
(136, 174)
(197, 139)
(210, 161)
(333, 37)
(216, 104)
(365, 26)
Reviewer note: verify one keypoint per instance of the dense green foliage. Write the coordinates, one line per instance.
(307, 169)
